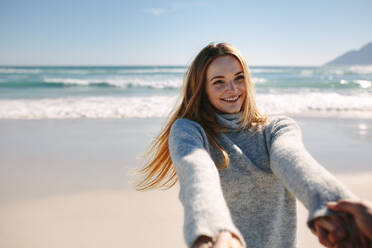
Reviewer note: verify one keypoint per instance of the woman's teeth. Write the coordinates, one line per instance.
(231, 99)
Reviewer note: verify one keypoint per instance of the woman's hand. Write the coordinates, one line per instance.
(324, 226)
(203, 242)
(224, 240)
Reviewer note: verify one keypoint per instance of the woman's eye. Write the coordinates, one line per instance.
(218, 82)
(240, 77)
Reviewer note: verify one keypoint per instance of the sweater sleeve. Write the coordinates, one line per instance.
(304, 177)
(205, 209)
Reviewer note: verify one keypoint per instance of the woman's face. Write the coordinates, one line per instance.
(225, 86)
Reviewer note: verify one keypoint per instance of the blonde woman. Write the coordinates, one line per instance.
(240, 172)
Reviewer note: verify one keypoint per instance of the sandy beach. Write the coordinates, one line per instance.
(65, 183)
(118, 218)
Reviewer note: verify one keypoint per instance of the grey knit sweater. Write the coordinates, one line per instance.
(254, 197)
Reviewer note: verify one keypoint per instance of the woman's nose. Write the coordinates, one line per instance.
(231, 86)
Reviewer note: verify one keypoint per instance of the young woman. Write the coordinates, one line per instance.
(240, 172)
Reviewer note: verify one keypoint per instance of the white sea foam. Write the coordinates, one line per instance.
(363, 83)
(19, 71)
(336, 71)
(259, 80)
(366, 69)
(71, 81)
(74, 71)
(314, 102)
(120, 82)
(160, 106)
(306, 72)
(153, 70)
(356, 69)
(263, 70)
(90, 107)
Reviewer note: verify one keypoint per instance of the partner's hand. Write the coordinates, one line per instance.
(324, 226)
(339, 232)
(361, 212)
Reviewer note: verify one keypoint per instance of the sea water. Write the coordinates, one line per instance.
(61, 92)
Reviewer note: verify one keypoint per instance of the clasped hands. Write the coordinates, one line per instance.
(351, 228)
(341, 231)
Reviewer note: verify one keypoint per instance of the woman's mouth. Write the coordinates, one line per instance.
(231, 99)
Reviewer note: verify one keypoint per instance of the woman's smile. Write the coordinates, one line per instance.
(231, 99)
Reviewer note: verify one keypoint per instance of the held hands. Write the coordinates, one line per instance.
(351, 228)
(341, 231)
(335, 231)
(361, 211)
(224, 240)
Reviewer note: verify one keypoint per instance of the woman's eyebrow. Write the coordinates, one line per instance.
(216, 77)
(223, 76)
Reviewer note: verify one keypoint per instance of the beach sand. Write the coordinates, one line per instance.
(118, 218)
(64, 183)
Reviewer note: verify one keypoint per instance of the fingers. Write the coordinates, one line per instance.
(354, 237)
(332, 228)
(365, 243)
(223, 240)
(336, 236)
(339, 230)
(322, 236)
(351, 207)
(361, 211)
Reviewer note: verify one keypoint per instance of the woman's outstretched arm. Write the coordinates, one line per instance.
(313, 185)
(205, 209)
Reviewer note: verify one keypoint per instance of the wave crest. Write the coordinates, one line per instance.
(119, 82)
(160, 106)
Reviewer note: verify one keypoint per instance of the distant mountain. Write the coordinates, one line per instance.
(362, 56)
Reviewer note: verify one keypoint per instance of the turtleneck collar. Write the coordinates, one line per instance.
(230, 121)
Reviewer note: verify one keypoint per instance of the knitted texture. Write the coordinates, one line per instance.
(254, 197)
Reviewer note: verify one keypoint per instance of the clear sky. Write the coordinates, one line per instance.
(113, 32)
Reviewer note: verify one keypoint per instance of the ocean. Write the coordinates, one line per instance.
(63, 92)
(68, 129)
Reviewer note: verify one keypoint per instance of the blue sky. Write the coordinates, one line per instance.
(107, 32)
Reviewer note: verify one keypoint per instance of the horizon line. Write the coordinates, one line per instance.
(135, 65)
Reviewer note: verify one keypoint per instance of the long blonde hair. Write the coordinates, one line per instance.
(159, 171)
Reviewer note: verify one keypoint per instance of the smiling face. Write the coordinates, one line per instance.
(225, 86)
